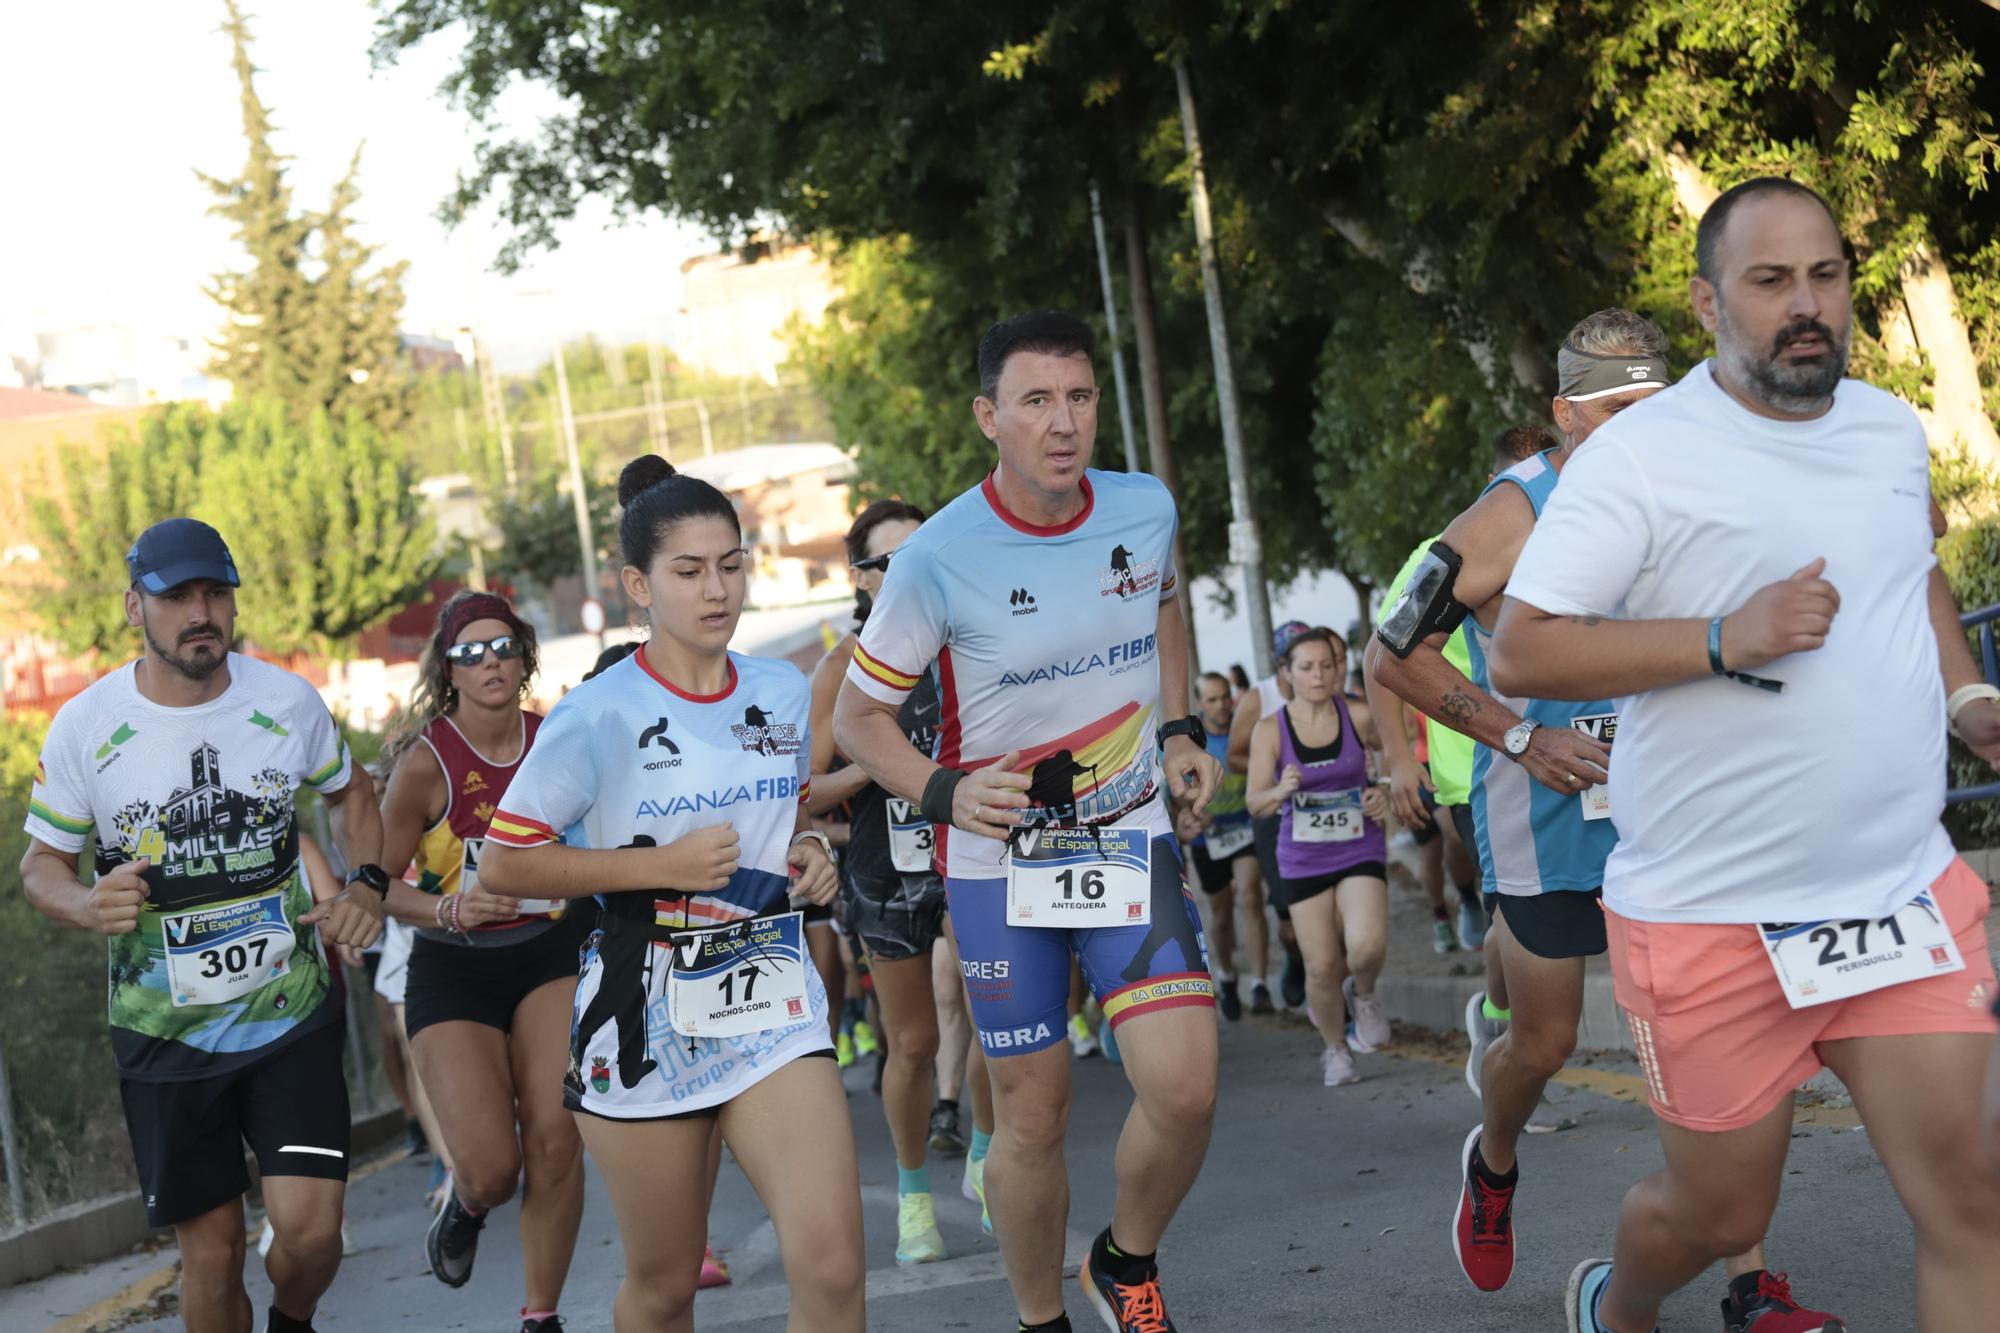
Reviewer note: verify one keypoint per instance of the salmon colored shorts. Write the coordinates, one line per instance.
(1720, 1046)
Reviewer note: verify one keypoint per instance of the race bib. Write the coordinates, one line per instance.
(1821, 961)
(468, 876)
(1059, 877)
(1327, 816)
(1227, 840)
(911, 837)
(1601, 727)
(222, 953)
(739, 979)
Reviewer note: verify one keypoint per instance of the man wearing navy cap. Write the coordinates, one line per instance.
(179, 772)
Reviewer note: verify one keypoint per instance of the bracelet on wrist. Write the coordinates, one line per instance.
(1963, 696)
(438, 912)
(1715, 663)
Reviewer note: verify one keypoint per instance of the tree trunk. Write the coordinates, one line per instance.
(1153, 393)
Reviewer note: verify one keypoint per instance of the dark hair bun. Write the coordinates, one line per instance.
(644, 471)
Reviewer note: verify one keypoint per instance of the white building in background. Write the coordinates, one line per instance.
(120, 365)
(736, 305)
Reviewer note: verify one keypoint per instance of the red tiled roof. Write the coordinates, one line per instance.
(17, 403)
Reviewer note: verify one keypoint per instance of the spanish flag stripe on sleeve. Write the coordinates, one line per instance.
(518, 830)
(888, 675)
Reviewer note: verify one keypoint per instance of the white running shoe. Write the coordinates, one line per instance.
(1337, 1067)
(1371, 1025)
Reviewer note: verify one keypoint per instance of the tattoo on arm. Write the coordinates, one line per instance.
(1458, 706)
(1585, 621)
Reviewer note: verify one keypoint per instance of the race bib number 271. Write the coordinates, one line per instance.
(1821, 961)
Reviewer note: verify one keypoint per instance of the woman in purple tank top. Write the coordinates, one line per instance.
(1309, 764)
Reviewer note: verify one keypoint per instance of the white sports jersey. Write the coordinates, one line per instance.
(626, 760)
(1044, 641)
(219, 971)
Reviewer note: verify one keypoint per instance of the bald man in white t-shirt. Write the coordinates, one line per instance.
(1744, 561)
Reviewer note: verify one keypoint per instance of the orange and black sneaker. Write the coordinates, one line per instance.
(1124, 1289)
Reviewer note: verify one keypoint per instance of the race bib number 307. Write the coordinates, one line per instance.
(219, 954)
(1821, 961)
(1059, 877)
(910, 837)
(739, 979)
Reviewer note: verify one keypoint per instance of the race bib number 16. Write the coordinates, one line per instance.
(1059, 877)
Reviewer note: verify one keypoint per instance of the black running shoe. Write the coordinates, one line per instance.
(1293, 984)
(1125, 1309)
(551, 1324)
(947, 1137)
(452, 1243)
(1227, 1000)
(1260, 999)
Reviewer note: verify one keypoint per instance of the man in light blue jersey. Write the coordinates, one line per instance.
(1539, 808)
(1046, 600)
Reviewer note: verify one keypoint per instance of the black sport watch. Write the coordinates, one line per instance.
(371, 875)
(1189, 727)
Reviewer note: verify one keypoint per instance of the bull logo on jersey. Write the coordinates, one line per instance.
(758, 734)
(1127, 576)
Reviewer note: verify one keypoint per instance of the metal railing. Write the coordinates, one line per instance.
(1982, 620)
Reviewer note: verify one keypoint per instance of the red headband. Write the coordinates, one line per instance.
(479, 606)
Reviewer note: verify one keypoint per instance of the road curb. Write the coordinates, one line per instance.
(1438, 1003)
(84, 1233)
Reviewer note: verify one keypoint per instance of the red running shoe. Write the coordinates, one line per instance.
(1771, 1309)
(1482, 1233)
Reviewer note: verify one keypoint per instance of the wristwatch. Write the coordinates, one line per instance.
(825, 843)
(1515, 742)
(371, 875)
(1189, 727)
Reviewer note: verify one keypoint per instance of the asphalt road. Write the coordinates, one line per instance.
(1318, 1209)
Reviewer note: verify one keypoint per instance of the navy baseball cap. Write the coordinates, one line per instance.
(175, 550)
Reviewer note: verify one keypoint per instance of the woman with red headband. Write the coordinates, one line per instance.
(491, 979)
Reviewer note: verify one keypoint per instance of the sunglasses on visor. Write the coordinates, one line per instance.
(471, 653)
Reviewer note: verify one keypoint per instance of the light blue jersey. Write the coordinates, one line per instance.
(1531, 839)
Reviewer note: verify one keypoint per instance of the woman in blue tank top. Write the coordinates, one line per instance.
(1309, 765)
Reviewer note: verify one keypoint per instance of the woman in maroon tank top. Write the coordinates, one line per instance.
(491, 980)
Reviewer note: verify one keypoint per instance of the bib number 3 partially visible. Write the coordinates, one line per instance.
(1061, 877)
(911, 837)
(1818, 962)
(740, 979)
(219, 954)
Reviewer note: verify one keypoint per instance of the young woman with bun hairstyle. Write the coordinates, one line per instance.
(490, 979)
(674, 788)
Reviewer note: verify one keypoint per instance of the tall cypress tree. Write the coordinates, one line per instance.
(308, 324)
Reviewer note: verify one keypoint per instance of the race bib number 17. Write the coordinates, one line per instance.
(1821, 961)
(1059, 877)
(222, 953)
(739, 979)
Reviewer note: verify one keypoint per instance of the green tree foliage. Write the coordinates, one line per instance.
(52, 1016)
(1413, 203)
(538, 541)
(327, 532)
(309, 325)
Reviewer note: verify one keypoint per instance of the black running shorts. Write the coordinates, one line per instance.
(452, 982)
(188, 1137)
(1214, 876)
(896, 920)
(1266, 842)
(1565, 924)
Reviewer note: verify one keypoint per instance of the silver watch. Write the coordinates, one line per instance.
(1515, 742)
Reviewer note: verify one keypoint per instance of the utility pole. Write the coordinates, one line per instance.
(1245, 549)
(1111, 327)
(579, 499)
(657, 417)
(494, 405)
(707, 436)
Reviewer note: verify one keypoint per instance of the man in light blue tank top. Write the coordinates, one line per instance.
(1539, 808)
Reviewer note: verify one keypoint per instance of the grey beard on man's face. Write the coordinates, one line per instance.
(1800, 387)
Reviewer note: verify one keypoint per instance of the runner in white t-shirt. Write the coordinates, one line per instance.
(1744, 562)
(674, 787)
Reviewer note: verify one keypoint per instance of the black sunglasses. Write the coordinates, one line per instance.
(505, 647)
(875, 561)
